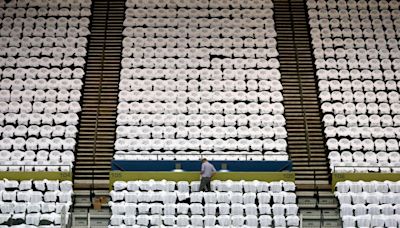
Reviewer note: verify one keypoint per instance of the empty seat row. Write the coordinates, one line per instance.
(41, 155)
(40, 107)
(198, 209)
(44, 22)
(197, 198)
(360, 97)
(362, 132)
(166, 108)
(39, 119)
(40, 95)
(41, 84)
(32, 220)
(350, 44)
(10, 131)
(186, 63)
(42, 11)
(43, 32)
(372, 53)
(197, 42)
(46, 4)
(333, 13)
(358, 156)
(355, 23)
(216, 185)
(348, 38)
(37, 144)
(33, 166)
(355, 74)
(202, 96)
(354, 111)
(368, 186)
(196, 85)
(42, 73)
(45, 62)
(371, 220)
(41, 52)
(364, 167)
(334, 144)
(196, 144)
(203, 132)
(353, 4)
(200, 22)
(198, 13)
(196, 155)
(43, 42)
(39, 185)
(362, 120)
(344, 64)
(32, 207)
(203, 74)
(18, 199)
(206, 221)
(191, 52)
(264, 120)
(202, 4)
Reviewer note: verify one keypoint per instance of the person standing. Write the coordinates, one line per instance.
(207, 172)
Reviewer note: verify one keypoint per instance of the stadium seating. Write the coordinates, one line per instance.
(34, 203)
(357, 58)
(208, 85)
(369, 204)
(42, 56)
(230, 204)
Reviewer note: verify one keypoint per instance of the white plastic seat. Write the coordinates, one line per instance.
(224, 220)
(182, 220)
(223, 209)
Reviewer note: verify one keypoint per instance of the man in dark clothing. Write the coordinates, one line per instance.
(207, 172)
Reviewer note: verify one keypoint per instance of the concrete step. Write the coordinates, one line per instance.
(328, 202)
(311, 214)
(306, 202)
(82, 201)
(330, 214)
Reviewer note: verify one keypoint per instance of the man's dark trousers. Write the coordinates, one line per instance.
(205, 184)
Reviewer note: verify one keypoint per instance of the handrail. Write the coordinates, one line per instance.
(301, 220)
(98, 105)
(88, 218)
(299, 79)
(100, 88)
(306, 130)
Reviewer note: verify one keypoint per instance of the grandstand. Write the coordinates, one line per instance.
(108, 106)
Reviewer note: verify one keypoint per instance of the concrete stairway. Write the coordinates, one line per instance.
(318, 209)
(302, 111)
(84, 215)
(100, 96)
